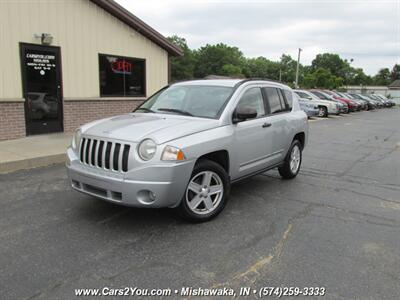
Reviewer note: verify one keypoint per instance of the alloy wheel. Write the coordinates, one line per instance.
(295, 159)
(204, 192)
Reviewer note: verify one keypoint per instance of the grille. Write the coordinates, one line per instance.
(104, 154)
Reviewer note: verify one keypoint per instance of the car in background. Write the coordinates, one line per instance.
(353, 105)
(370, 104)
(388, 102)
(374, 103)
(310, 109)
(325, 107)
(343, 107)
(379, 104)
(362, 103)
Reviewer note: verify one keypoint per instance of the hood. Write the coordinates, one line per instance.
(135, 127)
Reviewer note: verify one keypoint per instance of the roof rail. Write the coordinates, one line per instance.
(257, 79)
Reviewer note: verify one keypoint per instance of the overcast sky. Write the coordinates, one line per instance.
(367, 31)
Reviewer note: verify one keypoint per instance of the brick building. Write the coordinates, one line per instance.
(67, 62)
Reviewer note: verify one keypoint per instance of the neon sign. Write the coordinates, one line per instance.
(121, 67)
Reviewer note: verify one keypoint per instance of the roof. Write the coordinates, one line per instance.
(134, 22)
(229, 82)
(216, 82)
(395, 84)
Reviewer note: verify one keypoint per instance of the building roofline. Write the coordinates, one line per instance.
(134, 22)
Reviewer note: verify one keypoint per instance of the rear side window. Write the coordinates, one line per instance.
(253, 98)
(289, 98)
(275, 101)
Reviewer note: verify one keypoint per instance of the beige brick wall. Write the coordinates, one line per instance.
(12, 120)
(77, 113)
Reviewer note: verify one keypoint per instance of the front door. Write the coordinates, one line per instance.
(251, 144)
(41, 80)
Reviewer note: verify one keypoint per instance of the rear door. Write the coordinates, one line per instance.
(279, 105)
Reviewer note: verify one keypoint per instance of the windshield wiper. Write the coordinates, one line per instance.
(182, 112)
(146, 109)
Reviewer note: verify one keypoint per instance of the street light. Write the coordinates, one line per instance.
(296, 84)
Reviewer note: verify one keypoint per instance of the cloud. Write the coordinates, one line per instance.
(367, 31)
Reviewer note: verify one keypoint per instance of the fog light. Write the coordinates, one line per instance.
(146, 196)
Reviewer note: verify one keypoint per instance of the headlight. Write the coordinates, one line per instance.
(76, 139)
(172, 153)
(147, 148)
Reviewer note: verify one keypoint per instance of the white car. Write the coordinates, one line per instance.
(325, 107)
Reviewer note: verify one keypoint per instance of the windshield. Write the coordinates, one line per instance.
(190, 100)
(320, 95)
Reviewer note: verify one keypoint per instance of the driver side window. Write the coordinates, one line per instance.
(252, 98)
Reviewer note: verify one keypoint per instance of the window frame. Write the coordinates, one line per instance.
(282, 99)
(144, 95)
(266, 112)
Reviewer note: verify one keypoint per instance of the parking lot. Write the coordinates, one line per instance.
(337, 225)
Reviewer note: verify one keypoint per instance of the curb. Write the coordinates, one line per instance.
(29, 163)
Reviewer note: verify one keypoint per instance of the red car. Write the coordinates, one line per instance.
(327, 96)
(353, 106)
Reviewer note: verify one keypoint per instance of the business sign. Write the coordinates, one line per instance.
(40, 62)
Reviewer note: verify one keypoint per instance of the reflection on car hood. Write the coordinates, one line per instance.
(137, 126)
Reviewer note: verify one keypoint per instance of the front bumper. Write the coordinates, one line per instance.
(166, 181)
(332, 110)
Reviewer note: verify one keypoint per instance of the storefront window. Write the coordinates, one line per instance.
(121, 76)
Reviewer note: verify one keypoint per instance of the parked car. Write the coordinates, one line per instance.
(310, 109)
(363, 104)
(392, 103)
(343, 107)
(187, 143)
(325, 107)
(372, 104)
(353, 105)
(387, 102)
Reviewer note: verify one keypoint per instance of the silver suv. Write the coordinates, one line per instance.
(187, 143)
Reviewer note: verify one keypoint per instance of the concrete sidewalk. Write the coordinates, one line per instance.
(34, 151)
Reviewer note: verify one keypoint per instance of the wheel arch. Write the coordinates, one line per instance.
(220, 157)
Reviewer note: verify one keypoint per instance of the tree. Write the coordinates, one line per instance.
(395, 72)
(331, 62)
(182, 67)
(211, 59)
(231, 71)
(322, 78)
(261, 67)
(382, 77)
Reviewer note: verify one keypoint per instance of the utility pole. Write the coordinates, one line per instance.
(296, 84)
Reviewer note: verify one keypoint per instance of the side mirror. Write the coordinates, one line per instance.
(243, 113)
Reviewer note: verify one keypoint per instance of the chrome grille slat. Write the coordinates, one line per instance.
(96, 151)
(121, 151)
(112, 156)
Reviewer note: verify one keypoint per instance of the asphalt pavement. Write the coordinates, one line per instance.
(337, 226)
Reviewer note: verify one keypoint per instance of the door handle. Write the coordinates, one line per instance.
(265, 125)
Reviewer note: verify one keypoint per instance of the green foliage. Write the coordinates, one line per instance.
(211, 59)
(382, 77)
(261, 67)
(327, 70)
(322, 78)
(182, 67)
(395, 74)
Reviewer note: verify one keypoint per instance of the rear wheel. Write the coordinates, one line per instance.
(206, 194)
(292, 163)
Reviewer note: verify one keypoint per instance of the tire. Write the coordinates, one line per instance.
(205, 178)
(322, 111)
(287, 170)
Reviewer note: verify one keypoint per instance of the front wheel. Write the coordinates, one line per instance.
(322, 111)
(207, 192)
(292, 163)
